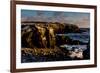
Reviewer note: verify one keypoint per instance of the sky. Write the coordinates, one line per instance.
(80, 19)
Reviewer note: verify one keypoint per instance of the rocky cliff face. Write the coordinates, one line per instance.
(43, 34)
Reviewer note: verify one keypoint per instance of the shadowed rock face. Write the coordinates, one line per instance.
(43, 34)
(30, 36)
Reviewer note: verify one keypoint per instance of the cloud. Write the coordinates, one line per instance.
(82, 20)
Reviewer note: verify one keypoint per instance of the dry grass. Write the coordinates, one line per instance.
(41, 51)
